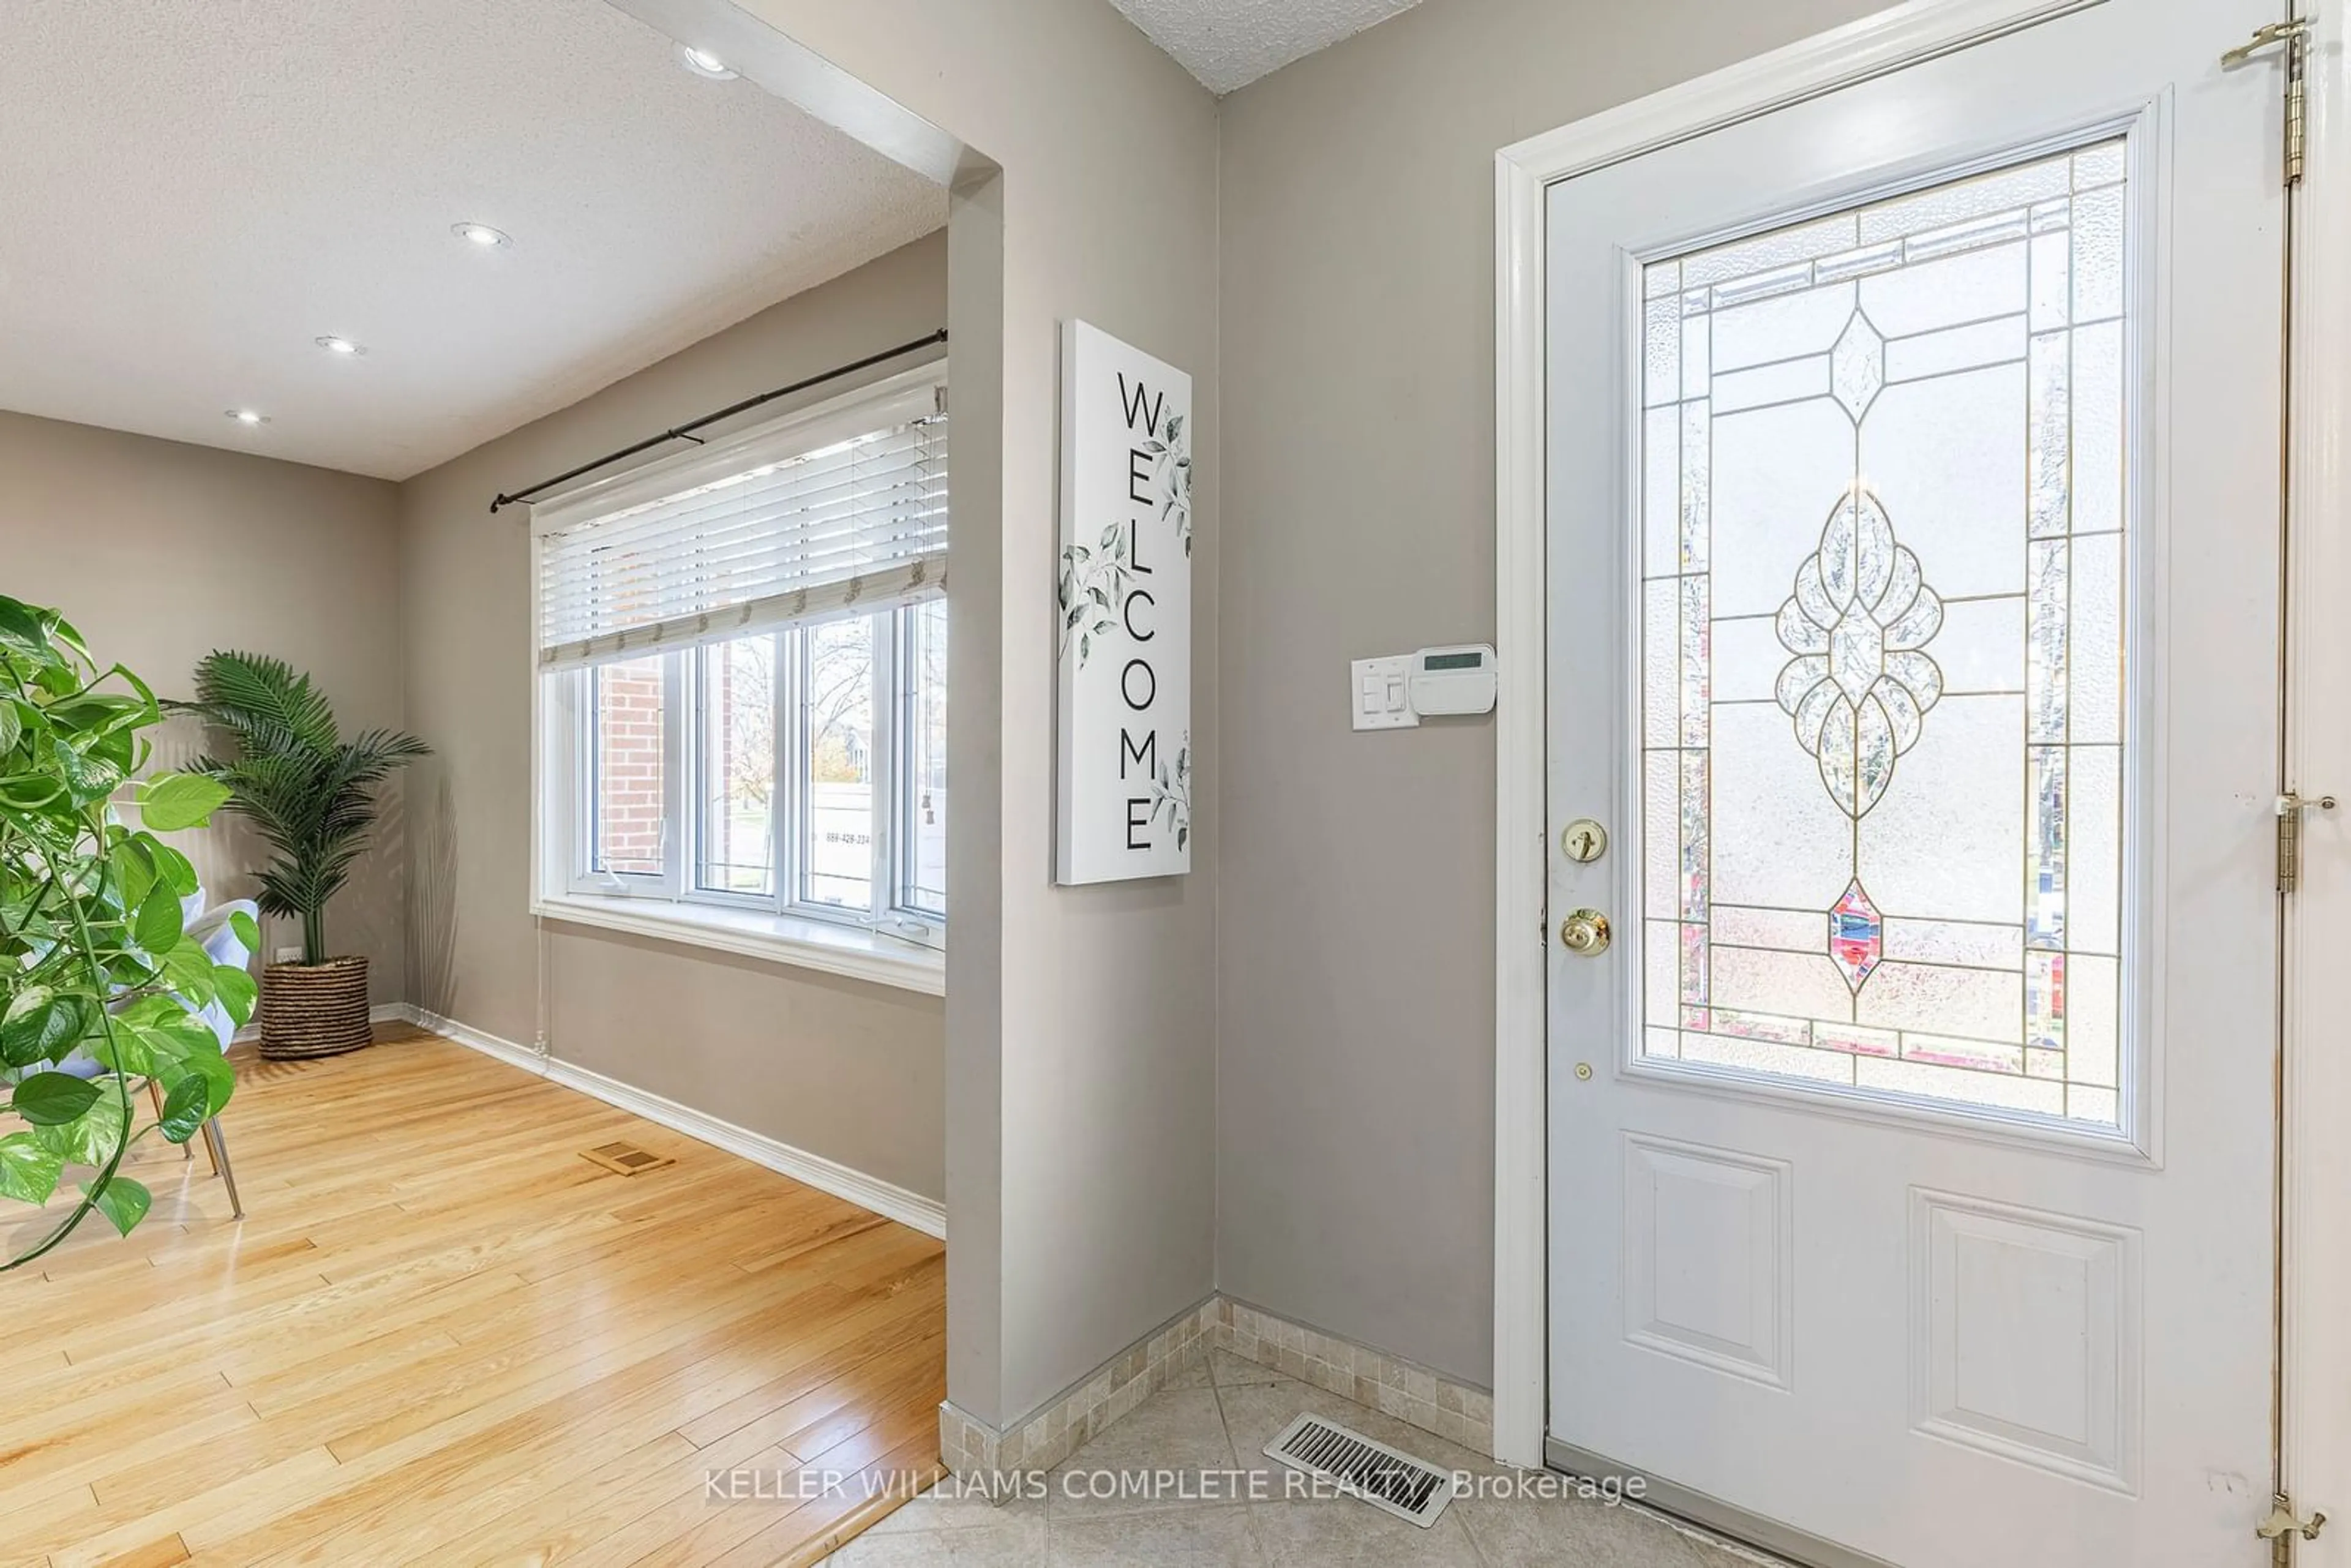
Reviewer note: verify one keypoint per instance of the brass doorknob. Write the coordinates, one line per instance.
(1585, 931)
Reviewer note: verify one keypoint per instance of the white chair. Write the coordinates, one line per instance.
(217, 934)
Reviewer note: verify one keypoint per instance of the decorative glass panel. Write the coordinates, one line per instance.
(1881, 707)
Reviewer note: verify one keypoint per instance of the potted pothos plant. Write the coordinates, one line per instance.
(99, 985)
(312, 795)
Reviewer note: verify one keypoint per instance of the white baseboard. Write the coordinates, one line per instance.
(867, 1192)
(506, 1050)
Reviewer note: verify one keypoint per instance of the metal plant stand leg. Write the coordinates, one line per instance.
(216, 1146)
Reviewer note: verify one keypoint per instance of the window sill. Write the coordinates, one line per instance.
(790, 939)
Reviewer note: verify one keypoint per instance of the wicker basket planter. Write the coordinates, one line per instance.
(314, 1009)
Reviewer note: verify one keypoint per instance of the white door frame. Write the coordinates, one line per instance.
(2318, 1173)
(2317, 1071)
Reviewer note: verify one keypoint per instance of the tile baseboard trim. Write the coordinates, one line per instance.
(1410, 1392)
(867, 1192)
(1080, 1413)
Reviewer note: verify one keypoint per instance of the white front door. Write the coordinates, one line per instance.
(1914, 558)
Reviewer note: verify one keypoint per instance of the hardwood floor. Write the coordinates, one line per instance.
(440, 1335)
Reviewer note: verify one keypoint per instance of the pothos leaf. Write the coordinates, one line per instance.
(170, 801)
(177, 871)
(157, 929)
(40, 1025)
(28, 1173)
(122, 1201)
(130, 1049)
(220, 1079)
(185, 1107)
(234, 989)
(29, 792)
(54, 1098)
(91, 1138)
(188, 970)
(22, 621)
(134, 870)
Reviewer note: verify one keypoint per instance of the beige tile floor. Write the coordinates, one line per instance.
(1218, 1419)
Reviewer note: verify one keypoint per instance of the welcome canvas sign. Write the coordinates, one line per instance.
(1125, 612)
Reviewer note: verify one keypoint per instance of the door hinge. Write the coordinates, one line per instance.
(2293, 37)
(2284, 1527)
(2290, 807)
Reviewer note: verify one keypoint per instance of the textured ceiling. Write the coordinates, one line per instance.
(193, 190)
(1231, 43)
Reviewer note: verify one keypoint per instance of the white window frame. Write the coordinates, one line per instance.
(585, 876)
(572, 888)
(693, 664)
(905, 859)
(887, 942)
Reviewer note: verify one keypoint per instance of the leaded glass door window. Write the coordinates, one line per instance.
(1883, 718)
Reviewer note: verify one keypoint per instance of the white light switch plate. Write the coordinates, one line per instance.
(1381, 694)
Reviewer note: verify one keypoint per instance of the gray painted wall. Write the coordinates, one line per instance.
(852, 1071)
(1355, 934)
(1081, 1135)
(160, 552)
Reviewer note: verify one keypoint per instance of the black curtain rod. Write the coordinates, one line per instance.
(685, 431)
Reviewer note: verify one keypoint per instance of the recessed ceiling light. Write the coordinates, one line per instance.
(703, 63)
(247, 416)
(480, 234)
(341, 346)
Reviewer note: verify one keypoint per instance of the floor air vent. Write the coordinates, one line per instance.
(626, 1158)
(1352, 1463)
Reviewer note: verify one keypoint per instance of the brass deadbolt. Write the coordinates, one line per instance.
(1584, 932)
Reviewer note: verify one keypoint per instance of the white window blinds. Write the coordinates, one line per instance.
(795, 521)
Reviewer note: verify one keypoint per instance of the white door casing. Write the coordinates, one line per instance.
(2316, 1426)
(1865, 1317)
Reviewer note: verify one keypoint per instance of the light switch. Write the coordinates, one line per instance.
(1382, 694)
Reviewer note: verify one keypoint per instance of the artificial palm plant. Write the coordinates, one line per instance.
(312, 795)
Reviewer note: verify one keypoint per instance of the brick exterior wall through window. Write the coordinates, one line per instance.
(629, 767)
